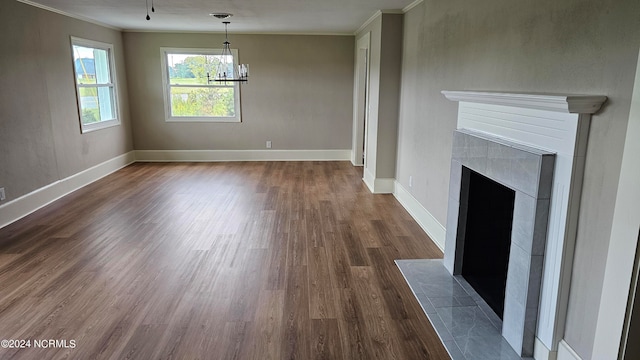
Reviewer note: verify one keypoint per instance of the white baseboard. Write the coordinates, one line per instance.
(369, 179)
(565, 352)
(384, 186)
(18, 208)
(541, 352)
(379, 185)
(241, 155)
(354, 161)
(427, 222)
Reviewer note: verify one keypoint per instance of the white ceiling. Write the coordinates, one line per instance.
(249, 16)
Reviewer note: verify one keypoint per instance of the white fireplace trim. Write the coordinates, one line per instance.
(576, 104)
(557, 123)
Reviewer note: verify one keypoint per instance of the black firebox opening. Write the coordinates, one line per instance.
(489, 216)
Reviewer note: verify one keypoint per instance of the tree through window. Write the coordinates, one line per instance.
(95, 84)
(189, 96)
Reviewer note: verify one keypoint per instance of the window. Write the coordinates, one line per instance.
(189, 96)
(95, 84)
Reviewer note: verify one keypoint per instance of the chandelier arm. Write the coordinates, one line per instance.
(238, 73)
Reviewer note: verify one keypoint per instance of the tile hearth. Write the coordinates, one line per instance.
(466, 325)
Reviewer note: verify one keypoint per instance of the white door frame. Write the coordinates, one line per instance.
(360, 100)
(629, 348)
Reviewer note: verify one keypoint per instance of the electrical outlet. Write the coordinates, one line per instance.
(268, 144)
(2, 196)
(410, 181)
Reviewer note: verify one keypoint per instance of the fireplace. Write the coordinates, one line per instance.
(484, 230)
(534, 145)
(494, 178)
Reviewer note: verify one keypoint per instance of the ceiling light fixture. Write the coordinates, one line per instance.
(226, 71)
(153, 9)
(221, 16)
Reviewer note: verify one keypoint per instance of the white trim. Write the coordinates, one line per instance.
(63, 13)
(375, 15)
(352, 156)
(565, 352)
(366, 23)
(241, 155)
(575, 104)
(239, 32)
(422, 216)
(384, 186)
(540, 351)
(379, 185)
(547, 122)
(166, 87)
(369, 180)
(411, 6)
(18, 208)
(358, 139)
(113, 83)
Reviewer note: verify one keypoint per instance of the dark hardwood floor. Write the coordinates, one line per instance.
(254, 260)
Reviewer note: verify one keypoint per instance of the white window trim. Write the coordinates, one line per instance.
(112, 71)
(166, 88)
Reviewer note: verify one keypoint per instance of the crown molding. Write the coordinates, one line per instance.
(392, 11)
(74, 16)
(575, 104)
(411, 6)
(234, 33)
(374, 16)
(366, 23)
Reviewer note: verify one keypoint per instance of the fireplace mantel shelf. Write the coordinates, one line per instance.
(559, 125)
(575, 104)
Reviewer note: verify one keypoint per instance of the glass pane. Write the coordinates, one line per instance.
(205, 102)
(102, 66)
(225, 68)
(191, 69)
(92, 65)
(96, 104)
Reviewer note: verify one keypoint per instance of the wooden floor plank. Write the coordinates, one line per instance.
(251, 260)
(295, 320)
(321, 298)
(325, 340)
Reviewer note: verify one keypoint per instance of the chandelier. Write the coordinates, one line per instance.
(226, 70)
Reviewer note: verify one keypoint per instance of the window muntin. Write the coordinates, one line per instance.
(94, 74)
(187, 93)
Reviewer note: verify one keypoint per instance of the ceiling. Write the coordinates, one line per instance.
(249, 16)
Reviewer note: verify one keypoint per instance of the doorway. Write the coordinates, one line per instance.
(361, 101)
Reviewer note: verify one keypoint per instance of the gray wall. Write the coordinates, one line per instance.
(40, 139)
(299, 94)
(572, 46)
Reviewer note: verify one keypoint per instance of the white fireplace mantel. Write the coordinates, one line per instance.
(557, 123)
(574, 104)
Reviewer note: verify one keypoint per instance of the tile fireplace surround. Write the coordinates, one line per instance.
(535, 145)
(529, 172)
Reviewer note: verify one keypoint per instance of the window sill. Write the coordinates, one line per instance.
(98, 126)
(203, 120)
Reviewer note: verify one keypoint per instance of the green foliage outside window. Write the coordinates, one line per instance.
(190, 93)
(202, 102)
(90, 116)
